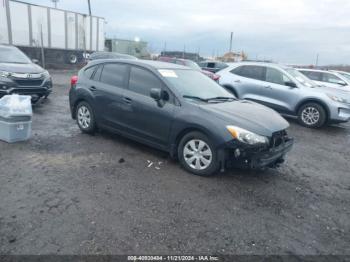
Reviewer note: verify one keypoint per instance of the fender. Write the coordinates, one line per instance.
(312, 100)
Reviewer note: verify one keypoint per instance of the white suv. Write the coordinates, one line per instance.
(326, 78)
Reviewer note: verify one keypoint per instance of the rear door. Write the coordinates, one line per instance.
(112, 81)
(144, 118)
(248, 81)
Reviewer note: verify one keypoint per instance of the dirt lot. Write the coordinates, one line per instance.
(64, 192)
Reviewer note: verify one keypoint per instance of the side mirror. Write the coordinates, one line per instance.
(159, 94)
(342, 83)
(35, 61)
(291, 84)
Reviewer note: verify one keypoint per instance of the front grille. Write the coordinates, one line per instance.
(278, 138)
(29, 91)
(29, 82)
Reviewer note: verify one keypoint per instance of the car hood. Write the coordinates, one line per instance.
(248, 115)
(343, 92)
(21, 68)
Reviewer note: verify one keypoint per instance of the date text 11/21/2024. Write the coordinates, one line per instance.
(173, 258)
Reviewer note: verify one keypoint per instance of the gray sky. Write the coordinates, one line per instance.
(287, 31)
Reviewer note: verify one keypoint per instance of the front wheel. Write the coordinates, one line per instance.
(197, 154)
(312, 115)
(85, 118)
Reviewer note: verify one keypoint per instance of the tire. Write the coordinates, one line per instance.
(85, 118)
(72, 58)
(312, 115)
(204, 161)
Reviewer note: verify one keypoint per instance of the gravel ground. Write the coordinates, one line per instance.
(64, 192)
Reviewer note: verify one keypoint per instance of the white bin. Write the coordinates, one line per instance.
(15, 129)
(15, 118)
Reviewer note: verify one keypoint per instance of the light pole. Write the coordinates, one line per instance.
(317, 56)
(89, 4)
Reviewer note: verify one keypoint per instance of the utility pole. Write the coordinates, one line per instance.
(55, 2)
(317, 56)
(231, 38)
(89, 4)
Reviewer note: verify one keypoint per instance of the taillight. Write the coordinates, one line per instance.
(73, 81)
(216, 77)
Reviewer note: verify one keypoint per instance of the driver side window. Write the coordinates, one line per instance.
(275, 76)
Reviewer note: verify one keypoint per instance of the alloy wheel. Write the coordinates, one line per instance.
(84, 117)
(310, 115)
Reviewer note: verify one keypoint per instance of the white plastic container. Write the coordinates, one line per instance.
(15, 118)
(15, 129)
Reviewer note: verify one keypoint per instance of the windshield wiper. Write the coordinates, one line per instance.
(218, 98)
(196, 98)
(222, 98)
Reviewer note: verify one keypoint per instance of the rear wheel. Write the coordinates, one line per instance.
(85, 118)
(312, 115)
(197, 154)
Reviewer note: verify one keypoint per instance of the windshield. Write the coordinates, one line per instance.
(300, 77)
(13, 55)
(190, 83)
(193, 65)
(346, 75)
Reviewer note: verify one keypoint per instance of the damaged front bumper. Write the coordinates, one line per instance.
(239, 155)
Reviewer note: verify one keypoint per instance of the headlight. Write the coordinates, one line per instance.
(336, 98)
(246, 136)
(46, 74)
(4, 74)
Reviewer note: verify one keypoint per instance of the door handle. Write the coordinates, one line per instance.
(268, 87)
(127, 100)
(92, 88)
(237, 81)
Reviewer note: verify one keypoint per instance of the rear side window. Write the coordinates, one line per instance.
(142, 81)
(97, 75)
(114, 74)
(89, 72)
(253, 72)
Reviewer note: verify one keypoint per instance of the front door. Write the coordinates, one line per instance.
(144, 117)
(276, 94)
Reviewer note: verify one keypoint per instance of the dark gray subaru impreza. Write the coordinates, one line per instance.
(178, 110)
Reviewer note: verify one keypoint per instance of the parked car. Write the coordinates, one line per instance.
(178, 110)
(189, 63)
(20, 75)
(109, 55)
(212, 66)
(326, 78)
(287, 91)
